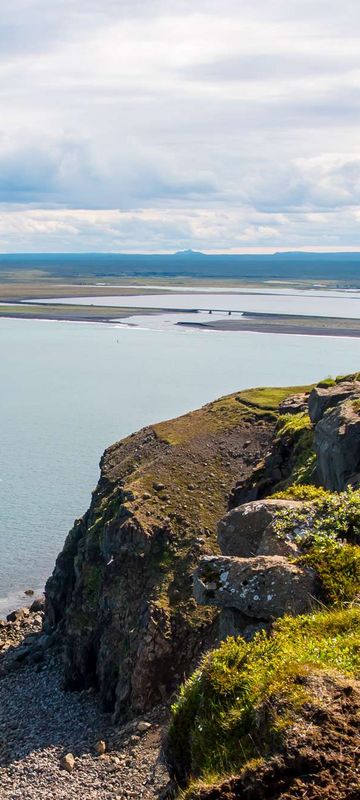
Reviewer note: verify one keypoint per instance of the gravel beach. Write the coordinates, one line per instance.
(40, 723)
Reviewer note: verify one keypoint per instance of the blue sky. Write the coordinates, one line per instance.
(153, 125)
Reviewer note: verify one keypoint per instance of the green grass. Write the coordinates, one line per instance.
(292, 424)
(337, 565)
(269, 398)
(326, 383)
(215, 720)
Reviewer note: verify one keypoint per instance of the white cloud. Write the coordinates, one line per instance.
(212, 125)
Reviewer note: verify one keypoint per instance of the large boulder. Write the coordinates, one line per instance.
(248, 530)
(323, 398)
(337, 447)
(261, 588)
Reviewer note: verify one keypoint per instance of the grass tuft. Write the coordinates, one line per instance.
(217, 724)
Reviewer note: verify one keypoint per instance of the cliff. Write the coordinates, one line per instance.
(121, 596)
(241, 519)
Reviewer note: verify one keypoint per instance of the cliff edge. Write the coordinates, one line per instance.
(120, 596)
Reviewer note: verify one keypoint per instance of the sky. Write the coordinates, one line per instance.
(161, 125)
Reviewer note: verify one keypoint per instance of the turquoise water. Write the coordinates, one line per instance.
(68, 390)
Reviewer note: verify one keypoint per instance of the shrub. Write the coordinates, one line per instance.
(335, 516)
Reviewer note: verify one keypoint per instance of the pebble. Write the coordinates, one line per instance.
(143, 726)
(67, 762)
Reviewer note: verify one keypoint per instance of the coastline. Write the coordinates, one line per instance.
(248, 322)
(282, 324)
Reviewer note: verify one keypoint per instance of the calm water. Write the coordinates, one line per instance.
(280, 301)
(68, 390)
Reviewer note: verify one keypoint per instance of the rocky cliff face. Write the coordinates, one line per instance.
(121, 593)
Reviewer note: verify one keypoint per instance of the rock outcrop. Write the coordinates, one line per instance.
(248, 530)
(321, 399)
(337, 446)
(120, 597)
(295, 404)
(326, 451)
(261, 588)
(254, 581)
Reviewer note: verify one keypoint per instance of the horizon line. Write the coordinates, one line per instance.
(188, 252)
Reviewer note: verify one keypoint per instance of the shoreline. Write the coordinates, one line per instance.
(249, 322)
(282, 324)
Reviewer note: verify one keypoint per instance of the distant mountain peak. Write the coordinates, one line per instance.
(189, 253)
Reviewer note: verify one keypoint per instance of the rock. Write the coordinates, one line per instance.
(322, 399)
(294, 404)
(21, 653)
(100, 747)
(101, 598)
(233, 623)
(45, 641)
(18, 615)
(265, 587)
(143, 726)
(29, 592)
(37, 605)
(242, 531)
(67, 762)
(337, 447)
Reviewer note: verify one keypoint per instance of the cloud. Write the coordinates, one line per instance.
(208, 125)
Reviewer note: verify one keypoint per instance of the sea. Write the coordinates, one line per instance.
(68, 390)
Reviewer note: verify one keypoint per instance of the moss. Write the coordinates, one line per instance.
(292, 424)
(326, 383)
(353, 376)
(295, 431)
(337, 565)
(92, 576)
(305, 492)
(303, 456)
(215, 725)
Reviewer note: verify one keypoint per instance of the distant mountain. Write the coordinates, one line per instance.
(278, 266)
(189, 253)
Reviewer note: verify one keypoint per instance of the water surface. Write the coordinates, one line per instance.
(270, 301)
(70, 389)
